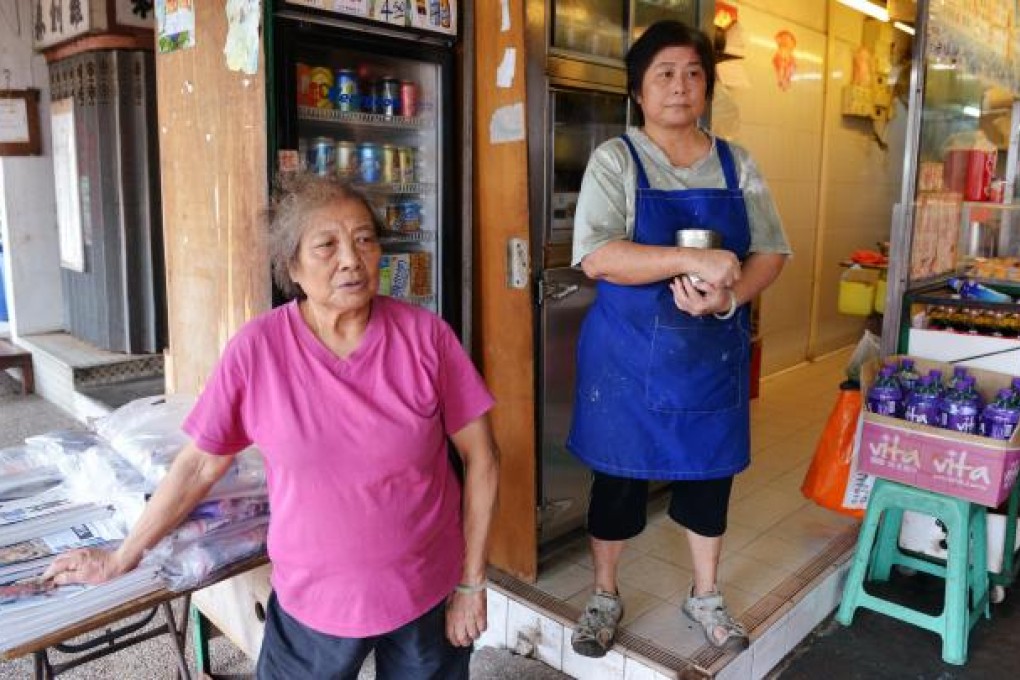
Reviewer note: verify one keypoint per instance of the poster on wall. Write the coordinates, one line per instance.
(175, 25)
(438, 16)
(65, 181)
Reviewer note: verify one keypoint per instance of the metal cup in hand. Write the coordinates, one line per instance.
(698, 238)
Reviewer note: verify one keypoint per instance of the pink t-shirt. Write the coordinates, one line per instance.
(365, 533)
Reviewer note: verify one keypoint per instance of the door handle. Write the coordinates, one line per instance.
(560, 291)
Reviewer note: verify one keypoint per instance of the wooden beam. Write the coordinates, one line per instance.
(504, 338)
(212, 136)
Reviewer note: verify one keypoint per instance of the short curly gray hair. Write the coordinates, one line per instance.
(295, 198)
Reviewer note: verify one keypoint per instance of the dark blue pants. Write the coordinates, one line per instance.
(418, 650)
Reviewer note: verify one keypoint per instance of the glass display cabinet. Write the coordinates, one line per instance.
(957, 220)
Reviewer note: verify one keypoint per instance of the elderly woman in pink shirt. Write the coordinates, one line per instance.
(350, 396)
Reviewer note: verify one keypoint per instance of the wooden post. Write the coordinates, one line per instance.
(504, 337)
(212, 137)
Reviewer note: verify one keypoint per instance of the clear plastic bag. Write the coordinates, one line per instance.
(868, 348)
(147, 432)
(64, 442)
(26, 471)
(187, 564)
(100, 475)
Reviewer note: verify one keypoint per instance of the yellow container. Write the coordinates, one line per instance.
(881, 287)
(856, 293)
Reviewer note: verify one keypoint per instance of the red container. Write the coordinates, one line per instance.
(970, 172)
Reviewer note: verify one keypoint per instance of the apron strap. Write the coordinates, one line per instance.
(642, 178)
(729, 167)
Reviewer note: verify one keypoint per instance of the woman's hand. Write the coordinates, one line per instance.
(720, 268)
(466, 618)
(88, 565)
(699, 299)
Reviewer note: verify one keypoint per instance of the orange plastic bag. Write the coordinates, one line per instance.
(826, 480)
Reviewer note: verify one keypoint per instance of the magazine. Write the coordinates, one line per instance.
(95, 533)
(58, 520)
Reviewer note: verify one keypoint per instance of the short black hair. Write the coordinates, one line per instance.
(657, 37)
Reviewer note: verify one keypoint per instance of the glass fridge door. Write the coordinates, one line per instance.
(372, 118)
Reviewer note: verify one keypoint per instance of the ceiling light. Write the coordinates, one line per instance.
(869, 8)
(972, 111)
(906, 28)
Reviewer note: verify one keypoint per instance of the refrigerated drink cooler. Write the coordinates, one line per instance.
(372, 104)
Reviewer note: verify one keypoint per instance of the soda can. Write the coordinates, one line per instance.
(304, 82)
(390, 97)
(345, 92)
(370, 96)
(405, 154)
(408, 98)
(410, 216)
(346, 159)
(392, 219)
(369, 162)
(302, 146)
(320, 156)
(321, 79)
(390, 171)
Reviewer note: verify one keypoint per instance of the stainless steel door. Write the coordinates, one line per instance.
(567, 295)
(579, 122)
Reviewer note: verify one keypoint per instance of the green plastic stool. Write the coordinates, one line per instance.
(965, 570)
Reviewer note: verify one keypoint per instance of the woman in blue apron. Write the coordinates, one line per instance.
(664, 354)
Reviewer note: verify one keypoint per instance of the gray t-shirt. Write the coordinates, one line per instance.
(605, 205)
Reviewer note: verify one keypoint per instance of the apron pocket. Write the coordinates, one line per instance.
(696, 368)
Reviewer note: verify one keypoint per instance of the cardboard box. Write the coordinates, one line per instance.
(978, 469)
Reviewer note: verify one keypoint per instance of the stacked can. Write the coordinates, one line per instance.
(346, 90)
(321, 84)
(320, 156)
(369, 162)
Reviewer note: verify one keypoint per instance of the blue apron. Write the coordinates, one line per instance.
(661, 394)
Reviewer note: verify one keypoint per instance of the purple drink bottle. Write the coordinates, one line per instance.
(885, 396)
(960, 407)
(908, 376)
(999, 419)
(922, 405)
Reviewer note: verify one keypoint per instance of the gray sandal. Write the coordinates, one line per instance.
(710, 612)
(596, 628)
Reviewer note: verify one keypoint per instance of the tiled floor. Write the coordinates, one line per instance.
(773, 530)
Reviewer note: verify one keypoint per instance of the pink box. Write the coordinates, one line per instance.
(978, 469)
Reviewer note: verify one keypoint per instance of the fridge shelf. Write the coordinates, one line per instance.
(404, 188)
(312, 113)
(421, 236)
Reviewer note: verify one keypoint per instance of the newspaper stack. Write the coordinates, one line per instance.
(66, 490)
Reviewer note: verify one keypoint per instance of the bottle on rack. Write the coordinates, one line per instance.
(885, 396)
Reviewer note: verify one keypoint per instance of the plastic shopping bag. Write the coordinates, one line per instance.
(832, 480)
